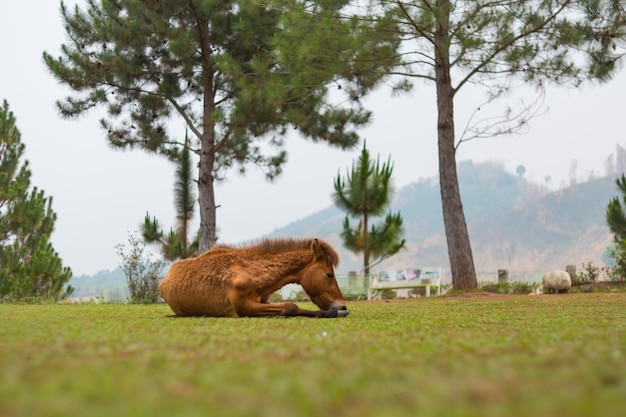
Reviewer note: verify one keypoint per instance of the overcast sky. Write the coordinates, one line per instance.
(100, 195)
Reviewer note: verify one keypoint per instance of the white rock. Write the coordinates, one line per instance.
(556, 281)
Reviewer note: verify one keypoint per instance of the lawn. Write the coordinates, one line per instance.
(481, 355)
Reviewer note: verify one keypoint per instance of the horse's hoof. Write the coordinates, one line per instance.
(342, 313)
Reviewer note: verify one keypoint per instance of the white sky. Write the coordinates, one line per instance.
(100, 194)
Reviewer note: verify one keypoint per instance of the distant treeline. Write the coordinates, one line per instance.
(107, 285)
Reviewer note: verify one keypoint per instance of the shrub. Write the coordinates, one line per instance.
(300, 296)
(142, 274)
(388, 294)
(618, 253)
(588, 275)
(276, 298)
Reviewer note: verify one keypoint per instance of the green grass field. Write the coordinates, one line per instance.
(561, 355)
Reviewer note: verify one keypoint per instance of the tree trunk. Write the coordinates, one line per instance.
(459, 249)
(206, 190)
(366, 248)
(206, 193)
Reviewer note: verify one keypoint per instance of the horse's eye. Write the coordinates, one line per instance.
(329, 275)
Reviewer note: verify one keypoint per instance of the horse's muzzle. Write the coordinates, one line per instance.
(341, 309)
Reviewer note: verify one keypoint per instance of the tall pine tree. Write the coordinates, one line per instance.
(239, 74)
(29, 266)
(494, 45)
(365, 193)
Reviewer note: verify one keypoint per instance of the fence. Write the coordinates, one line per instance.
(505, 275)
(354, 286)
(357, 287)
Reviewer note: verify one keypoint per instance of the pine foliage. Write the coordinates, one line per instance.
(176, 245)
(239, 74)
(616, 212)
(495, 45)
(30, 268)
(366, 193)
(564, 42)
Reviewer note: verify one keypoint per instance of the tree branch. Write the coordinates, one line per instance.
(484, 62)
(414, 24)
(508, 123)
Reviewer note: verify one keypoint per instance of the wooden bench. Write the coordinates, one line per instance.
(404, 278)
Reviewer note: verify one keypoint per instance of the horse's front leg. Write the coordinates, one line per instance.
(291, 310)
(246, 302)
(254, 308)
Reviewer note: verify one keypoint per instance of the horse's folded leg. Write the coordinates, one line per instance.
(256, 309)
(290, 309)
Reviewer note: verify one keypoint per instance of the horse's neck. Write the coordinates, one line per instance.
(289, 266)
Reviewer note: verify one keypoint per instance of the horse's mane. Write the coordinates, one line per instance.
(275, 245)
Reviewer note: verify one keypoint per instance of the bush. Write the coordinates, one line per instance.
(388, 294)
(618, 272)
(588, 275)
(276, 298)
(142, 274)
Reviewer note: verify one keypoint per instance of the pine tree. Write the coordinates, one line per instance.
(176, 245)
(238, 73)
(29, 266)
(366, 193)
(616, 212)
(494, 45)
(616, 220)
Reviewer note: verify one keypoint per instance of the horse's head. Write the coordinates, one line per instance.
(318, 278)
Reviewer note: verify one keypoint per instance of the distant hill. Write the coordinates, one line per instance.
(513, 224)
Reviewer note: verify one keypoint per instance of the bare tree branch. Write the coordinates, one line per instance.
(509, 123)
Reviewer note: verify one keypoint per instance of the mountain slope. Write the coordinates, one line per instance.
(513, 224)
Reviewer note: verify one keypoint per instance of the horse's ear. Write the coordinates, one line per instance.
(317, 249)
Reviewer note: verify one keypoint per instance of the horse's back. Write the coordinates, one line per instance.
(198, 286)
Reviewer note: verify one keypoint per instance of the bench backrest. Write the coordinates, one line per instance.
(407, 277)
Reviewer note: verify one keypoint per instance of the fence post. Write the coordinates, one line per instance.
(571, 270)
(503, 276)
